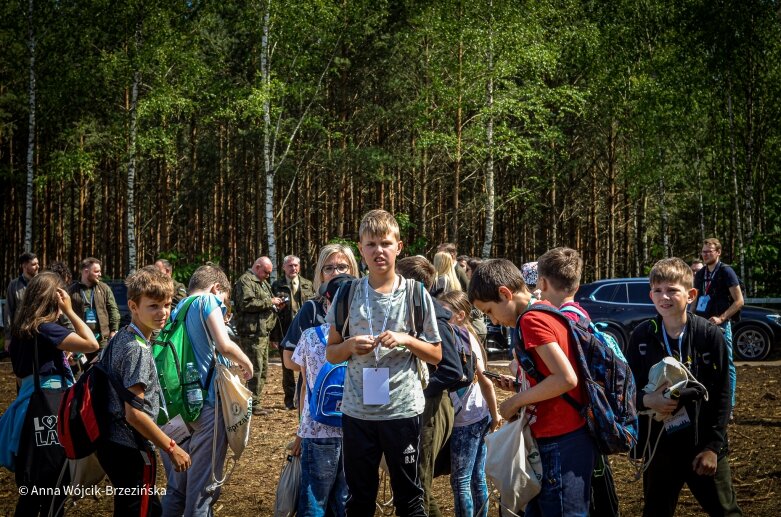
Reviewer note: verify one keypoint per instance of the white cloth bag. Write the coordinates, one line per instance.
(513, 463)
(288, 487)
(236, 405)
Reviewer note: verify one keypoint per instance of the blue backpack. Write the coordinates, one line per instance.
(607, 380)
(325, 397)
(587, 324)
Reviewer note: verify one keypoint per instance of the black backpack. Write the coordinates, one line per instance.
(468, 359)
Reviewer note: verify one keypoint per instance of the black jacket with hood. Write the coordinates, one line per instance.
(704, 343)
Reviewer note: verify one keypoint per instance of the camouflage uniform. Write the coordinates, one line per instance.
(180, 293)
(254, 317)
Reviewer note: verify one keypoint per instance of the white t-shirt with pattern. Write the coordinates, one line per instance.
(310, 354)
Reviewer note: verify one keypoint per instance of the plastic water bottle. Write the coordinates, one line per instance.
(193, 392)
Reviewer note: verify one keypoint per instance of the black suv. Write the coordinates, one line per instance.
(623, 303)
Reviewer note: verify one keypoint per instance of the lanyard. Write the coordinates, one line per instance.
(138, 332)
(680, 341)
(91, 298)
(369, 314)
(709, 276)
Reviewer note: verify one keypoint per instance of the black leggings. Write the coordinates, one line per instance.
(135, 470)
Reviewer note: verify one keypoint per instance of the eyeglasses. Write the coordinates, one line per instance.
(339, 268)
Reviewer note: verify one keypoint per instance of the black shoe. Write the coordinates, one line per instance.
(259, 411)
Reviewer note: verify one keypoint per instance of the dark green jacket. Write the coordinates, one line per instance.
(180, 293)
(254, 312)
(281, 288)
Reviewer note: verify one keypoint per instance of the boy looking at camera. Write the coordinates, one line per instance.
(383, 397)
(692, 448)
(567, 450)
(133, 429)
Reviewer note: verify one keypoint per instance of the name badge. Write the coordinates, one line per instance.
(677, 421)
(376, 386)
(702, 303)
(89, 317)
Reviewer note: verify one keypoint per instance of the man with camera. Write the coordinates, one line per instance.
(295, 290)
(256, 309)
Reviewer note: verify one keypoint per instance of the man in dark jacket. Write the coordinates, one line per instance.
(296, 290)
(437, 419)
(28, 263)
(692, 443)
(94, 301)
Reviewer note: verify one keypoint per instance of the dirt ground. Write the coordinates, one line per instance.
(755, 459)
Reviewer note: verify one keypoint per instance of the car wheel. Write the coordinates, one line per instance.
(751, 343)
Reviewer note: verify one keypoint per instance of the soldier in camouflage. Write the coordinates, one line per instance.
(180, 291)
(255, 308)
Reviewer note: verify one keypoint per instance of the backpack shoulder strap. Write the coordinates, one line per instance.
(583, 322)
(415, 307)
(342, 310)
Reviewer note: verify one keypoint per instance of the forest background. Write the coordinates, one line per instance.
(196, 130)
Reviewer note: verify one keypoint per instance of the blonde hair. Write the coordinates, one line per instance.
(443, 263)
(378, 223)
(328, 251)
(150, 282)
(672, 270)
(40, 304)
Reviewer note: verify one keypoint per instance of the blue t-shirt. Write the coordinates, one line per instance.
(202, 343)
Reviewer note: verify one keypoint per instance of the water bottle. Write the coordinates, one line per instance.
(193, 392)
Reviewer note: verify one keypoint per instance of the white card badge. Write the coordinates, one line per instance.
(177, 429)
(376, 386)
(677, 421)
(702, 302)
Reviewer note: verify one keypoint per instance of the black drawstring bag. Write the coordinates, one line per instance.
(41, 457)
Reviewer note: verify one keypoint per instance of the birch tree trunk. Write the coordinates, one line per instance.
(131, 162)
(489, 136)
(735, 189)
(663, 216)
(267, 158)
(28, 212)
(131, 174)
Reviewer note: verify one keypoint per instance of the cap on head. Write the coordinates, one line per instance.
(529, 273)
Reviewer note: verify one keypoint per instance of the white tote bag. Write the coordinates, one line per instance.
(288, 487)
(513, 463)
(236, 405)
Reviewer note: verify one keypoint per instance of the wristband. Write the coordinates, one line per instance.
(171, 446)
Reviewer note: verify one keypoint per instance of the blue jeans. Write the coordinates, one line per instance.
(733, 374)
(567, 465)
(467, 462)
(323, 486)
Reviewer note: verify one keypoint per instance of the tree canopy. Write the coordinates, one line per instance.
(197, 131)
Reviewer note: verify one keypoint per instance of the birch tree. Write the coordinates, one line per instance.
(28, 203)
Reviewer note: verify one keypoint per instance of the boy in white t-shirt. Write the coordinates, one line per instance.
(383, 397)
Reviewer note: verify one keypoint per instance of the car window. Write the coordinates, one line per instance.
(638, 293)
(615, 293)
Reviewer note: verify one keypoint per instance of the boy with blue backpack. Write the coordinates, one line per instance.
(567, 450)
(323, 489)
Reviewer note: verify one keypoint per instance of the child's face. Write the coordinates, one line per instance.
(457, 317)
(503, 312)
(379, 252)
(150, 313)
(671, 298)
